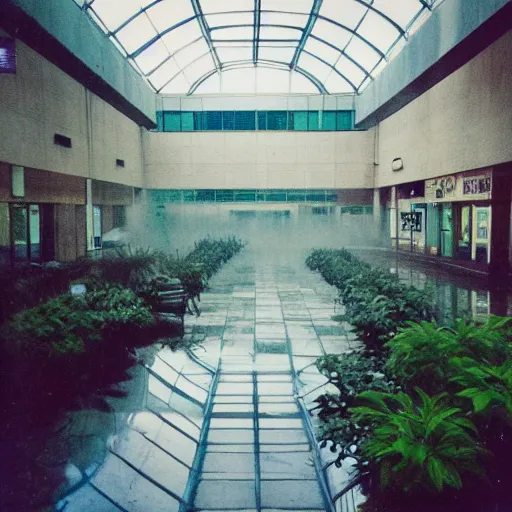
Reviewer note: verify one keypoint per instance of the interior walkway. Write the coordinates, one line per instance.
(226, 428)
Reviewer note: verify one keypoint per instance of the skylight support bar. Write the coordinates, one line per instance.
(333, 68)
(205, 30)
(257, 25)
(315, 9)
(371, 7)
(136, 15)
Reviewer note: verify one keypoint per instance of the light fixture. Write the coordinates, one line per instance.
(397, 164)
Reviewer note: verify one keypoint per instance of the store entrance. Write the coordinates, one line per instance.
(446, 239)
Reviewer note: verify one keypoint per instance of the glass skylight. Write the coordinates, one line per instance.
(330, 46)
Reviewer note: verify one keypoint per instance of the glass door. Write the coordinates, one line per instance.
(465, 232)
(447, 230)
(34, 223)
(97, 227)
(480, 247)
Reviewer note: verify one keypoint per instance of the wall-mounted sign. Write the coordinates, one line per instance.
(441, 188)
(459, 187)
(411, 221)
(476, 185)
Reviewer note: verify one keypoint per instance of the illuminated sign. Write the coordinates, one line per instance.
(476, 185)
(7, 55)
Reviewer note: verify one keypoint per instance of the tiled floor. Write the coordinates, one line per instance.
(225, 428)
(272, 321)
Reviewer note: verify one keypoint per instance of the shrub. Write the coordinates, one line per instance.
(429, 445)
(72, 325)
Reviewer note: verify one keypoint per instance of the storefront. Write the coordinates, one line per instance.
(458, 211)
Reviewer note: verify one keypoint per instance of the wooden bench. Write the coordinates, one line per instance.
(172, 299)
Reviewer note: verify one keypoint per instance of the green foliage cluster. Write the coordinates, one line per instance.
(441, 407)
(73, 325)
(375, 302)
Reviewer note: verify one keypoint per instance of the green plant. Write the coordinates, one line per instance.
(488, 387)
(414, 353)
(418, 446)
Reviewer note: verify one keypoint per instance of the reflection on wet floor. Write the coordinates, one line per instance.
(225, 427)
(456, 295)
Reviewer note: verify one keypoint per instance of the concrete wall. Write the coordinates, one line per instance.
(41, 100)
(464, 122)
(81, 39)
(263, 160)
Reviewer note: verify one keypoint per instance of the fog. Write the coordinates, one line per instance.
(285, 233)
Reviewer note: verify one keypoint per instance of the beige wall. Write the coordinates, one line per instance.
(41, 100)
(263, 160)
(464, 122)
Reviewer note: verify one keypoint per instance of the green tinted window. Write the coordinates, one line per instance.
(213, 121)
(245, 195)
(312, 120)
(172, 121)
(228, 120)
(277, 120)
(328, 120)
(276, 195)
(262, 120)
(205, 195)
(187, 121)
(159, 121)
(224, 196)
(344, 120)
(298, 121)
(245, 120)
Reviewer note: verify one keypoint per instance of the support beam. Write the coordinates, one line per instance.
(205, 30)
(257, 24)
(305, 33)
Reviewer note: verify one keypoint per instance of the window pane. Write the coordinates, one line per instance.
(35, 229)
(224, 196)
(245, 120)
(313, 121)
(276, 120)
(172, 121)
(328, 121)
(315, 195)
(228, 120)
(276, 195)
(213, 120)
(296, 196)
(262, 120)
(205, 195)
(187, 121)
(245, 195)
(298, 121)
(344, 120)
(188, 196)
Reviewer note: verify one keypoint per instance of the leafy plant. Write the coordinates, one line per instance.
(488, 387)
(417, 446)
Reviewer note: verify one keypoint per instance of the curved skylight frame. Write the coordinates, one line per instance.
(338, 45)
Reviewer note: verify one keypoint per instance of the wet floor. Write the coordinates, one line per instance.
(226, 426)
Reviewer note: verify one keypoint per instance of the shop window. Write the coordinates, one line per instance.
(328, 121)
(96, 226)
(245, 120)
(187, 121)
(465, 235)
(172, 121)
(313, 121)
(262, 120)
(245, 196)
(228, 120)
(205, 196)
(213, 121)
(26, 232)
(298, 121)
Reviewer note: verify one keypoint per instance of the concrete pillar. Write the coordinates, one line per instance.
(377, 208)
(393, 217)
(89, 222)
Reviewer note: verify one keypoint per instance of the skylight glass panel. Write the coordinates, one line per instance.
(271, 33)
(272, 81)
(336, 84)
(150, 58)
(238, 33)
(191, 52)
(209, 6)
(210, 86)
(302, 84)
(199, 68)
(346, 12)
(168, 13)
(239, 80)
(182, 36)
(348, 69)
(277, 54)
(236, 18)
(115, 12)
(364, 54)
(137, 33)
(303, 6)
(400, 11)
(314, 66)
(322, 50)
(331, 33)
(378, 31)
(280, 18)
(234, 53)
(178, 85)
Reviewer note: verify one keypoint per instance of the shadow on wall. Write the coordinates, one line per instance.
(285, 231)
